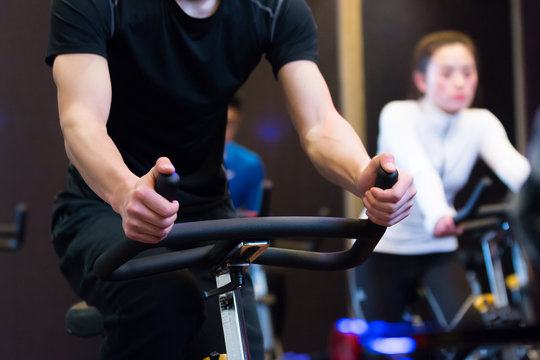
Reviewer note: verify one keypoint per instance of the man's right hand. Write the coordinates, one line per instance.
(390, 206)
(147, 216)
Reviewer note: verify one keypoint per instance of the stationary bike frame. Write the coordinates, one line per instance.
(492, 222)
(516, 336)
(228, 246)
(12, 235)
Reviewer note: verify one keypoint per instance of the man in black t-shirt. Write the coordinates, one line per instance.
(143, 88)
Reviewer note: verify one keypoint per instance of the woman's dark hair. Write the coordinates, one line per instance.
(429, 44)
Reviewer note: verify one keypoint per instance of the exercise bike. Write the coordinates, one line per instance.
(229, 246)
(509, 300)
(508, 304)
(511, 331)
(12, 235)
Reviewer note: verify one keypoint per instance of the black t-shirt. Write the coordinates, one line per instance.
(172, 75)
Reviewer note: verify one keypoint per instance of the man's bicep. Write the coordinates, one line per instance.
(306, 93)
(83, 86)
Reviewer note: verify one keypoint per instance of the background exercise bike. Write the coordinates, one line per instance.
(12, 234)
(508, 270)
(504, 297)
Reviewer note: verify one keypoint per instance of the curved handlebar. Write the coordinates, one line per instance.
(12, 235)
(191, 242)
(474, 216)
(470, 210)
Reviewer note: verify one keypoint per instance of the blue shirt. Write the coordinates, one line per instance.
(245, 172)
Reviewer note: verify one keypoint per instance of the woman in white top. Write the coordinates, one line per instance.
(437, 139)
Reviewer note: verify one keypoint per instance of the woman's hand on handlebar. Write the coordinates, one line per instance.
(387, 207)
(147, 216)
(446, 226)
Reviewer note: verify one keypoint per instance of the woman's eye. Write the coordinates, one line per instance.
(446, 74)
(468, 72)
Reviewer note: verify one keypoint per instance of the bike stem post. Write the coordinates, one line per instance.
(232, 315)
(229, 281)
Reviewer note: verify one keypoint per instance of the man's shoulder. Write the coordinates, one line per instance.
(83, 13)
(96, 4)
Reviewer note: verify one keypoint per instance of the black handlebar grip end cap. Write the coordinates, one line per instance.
(167, 184)
(384, 179)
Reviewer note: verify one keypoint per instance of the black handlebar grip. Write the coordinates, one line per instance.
(167, 184)
(384, 179)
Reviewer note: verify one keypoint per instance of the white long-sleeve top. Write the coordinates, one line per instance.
(439, 150)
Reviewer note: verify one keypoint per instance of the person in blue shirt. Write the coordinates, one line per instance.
(245, 169)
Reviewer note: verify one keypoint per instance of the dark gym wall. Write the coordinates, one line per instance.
(33, 296)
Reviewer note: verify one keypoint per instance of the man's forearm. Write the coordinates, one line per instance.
(337, 153)
(84, 103)
(98, 160)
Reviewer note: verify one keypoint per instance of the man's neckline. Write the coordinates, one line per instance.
(199, 9)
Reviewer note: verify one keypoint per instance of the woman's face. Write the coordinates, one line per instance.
(451, 78)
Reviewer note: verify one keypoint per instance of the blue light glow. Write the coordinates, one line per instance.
(271, 128)
(269, 132)
(380, 327)
(294, 356)
(352, 326)
(392, 345)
